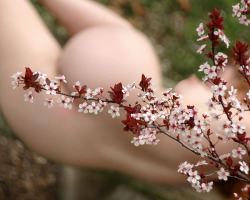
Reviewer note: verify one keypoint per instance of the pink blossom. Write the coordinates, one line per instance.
(199, 126)
(225, 126)
(222, 36)
(185, 167)
(248, 94)
(61, 78)
(65, 102)
(201, 163)
(83, 107)
(101, 105)
(204, 67)
(238, 128)
(243, 20)
(219, 89)
(29, 97)
(89, 94)
(193, 176)
(49, 103)
(222, 174)
(93, 108)
(40, 75)
(16, 77)
(114, 111)
(147, 136)
(51, 88)
(203, 38)
(201, 48)
(211, 72)
(244, 167)
(211, 105)
(200, 30)
(236, 10)
(131, 86)
(238, 153)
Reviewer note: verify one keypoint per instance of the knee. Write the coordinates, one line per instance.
(105, 55)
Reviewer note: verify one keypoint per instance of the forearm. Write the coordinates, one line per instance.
(76, 15)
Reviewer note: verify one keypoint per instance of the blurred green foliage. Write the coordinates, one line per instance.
(171, 28)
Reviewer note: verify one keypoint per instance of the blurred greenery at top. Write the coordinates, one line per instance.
(170, 25)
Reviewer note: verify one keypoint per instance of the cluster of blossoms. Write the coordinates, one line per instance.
(167, 115)
(241, 10)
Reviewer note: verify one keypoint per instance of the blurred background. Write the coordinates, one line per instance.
(170, 25)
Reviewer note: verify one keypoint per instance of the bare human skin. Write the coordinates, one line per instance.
(104, 49)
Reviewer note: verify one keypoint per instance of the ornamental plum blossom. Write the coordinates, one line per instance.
(199, 126)
(83, 108)
(61, 78)
(93, 108)
(65, 102)
(49, 103)
(222, 36)
(29, 97)
(101, 105)
(193, 176)
(40, 75)
(147, 136)
(89, 94)
(211, 105)
(201, 48)
(238, 153)
(243, 20)
(222, 174)
(185, 167)
(219, 89)
(200, 29)
(211, 72)
(114, 111)
(244, 167)
(51, 88)
(238, 128)
(16, 77)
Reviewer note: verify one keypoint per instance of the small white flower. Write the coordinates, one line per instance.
(238, 153)
(248, 94)
(101, 105)
(244, 167)
(83, 108)
(199, 126)
(93, 108)
(89, 94)
(65, 102)
(40, 75)
(29, 97)
(204, 67)
(16, 77)
(211, 105)
(49, 103)
(243, 20)
(51, 88)
(200, 30)
(201, 48)
(222, 174)
(202, 38)
(201, 163)
(219, 89)
(114, 111)
(193, 177)
(131, 86)
(61, 78)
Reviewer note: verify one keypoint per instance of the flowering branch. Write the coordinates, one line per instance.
(167, 115)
